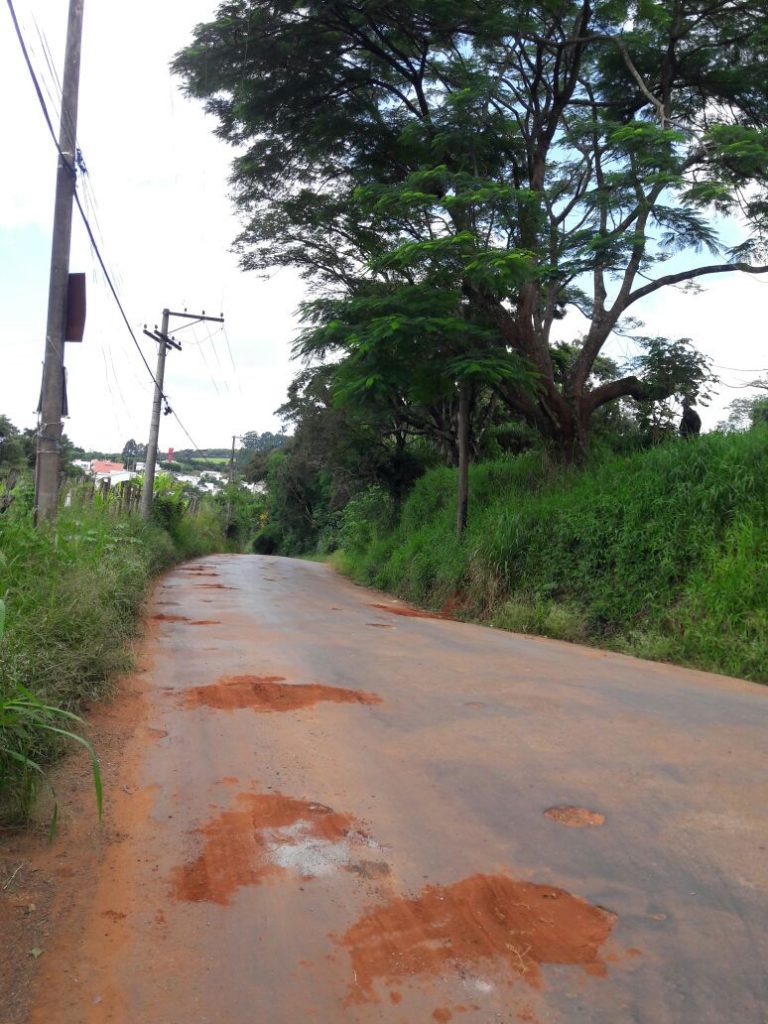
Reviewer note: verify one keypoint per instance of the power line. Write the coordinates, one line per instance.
(72, 168)
(740, 369)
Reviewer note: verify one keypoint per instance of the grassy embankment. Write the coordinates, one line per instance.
(663, 554)
(72, 597)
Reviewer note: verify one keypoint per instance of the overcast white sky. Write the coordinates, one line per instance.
(159, 177)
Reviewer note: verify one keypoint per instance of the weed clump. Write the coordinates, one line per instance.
(73, 593)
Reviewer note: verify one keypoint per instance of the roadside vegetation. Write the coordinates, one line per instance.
(662, 554)
(656, 546)
(72, 595)
(482, 199)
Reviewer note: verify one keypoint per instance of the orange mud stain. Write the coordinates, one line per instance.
(162, 617)
(409, 613)
(214, 586)
(206, 622)
(237, 844)
(479, 920)
(395, 998)
(114, 915)
(455, 604)
(575, 817)
(442, 1014)
(271, 693)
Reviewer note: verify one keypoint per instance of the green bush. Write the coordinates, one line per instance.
(662, 553)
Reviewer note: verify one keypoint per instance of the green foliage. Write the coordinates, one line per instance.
(748, 412)
(168, 504)
(478, 170)
(26, 727)
(366, 518)
(72, 595)
(243, 514)
(663, 553)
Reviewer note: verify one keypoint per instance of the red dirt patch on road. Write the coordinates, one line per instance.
(240, 844)
(575, 817)
(163, 617)
(409, 613)
(483, 921)
(271, 693)
(205, 622)
(455, 604)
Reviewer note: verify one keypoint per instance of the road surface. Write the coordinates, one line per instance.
(335, 811)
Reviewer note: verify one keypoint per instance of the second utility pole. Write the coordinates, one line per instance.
(235, 437)
(154, 427)
(164, 343)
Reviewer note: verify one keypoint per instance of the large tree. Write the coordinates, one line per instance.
(553, 155)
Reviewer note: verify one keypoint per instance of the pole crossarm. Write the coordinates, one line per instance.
(158, 337)
(198, 316)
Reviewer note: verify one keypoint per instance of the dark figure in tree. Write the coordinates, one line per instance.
(690, 424)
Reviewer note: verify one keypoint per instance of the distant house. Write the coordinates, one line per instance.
(114, 472)
(99, 467)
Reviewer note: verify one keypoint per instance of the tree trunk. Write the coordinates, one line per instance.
(462, 500)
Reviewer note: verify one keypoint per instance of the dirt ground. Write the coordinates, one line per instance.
(310, 819)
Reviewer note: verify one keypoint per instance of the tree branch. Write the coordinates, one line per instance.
(625, 387)
(689, 275)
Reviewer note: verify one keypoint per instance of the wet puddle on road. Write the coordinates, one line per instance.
(265, 835)
(270, 693)
(472, 928)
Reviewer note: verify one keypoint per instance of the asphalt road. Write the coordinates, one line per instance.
(333, 812)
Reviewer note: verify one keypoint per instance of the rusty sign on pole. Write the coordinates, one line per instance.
(75, 308)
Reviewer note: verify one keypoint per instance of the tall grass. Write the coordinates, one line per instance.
(662, 553)
(73, 594)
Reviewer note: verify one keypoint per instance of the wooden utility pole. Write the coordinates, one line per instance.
(164, 343)
(50, 429)
(235, 437)
(232, 462)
